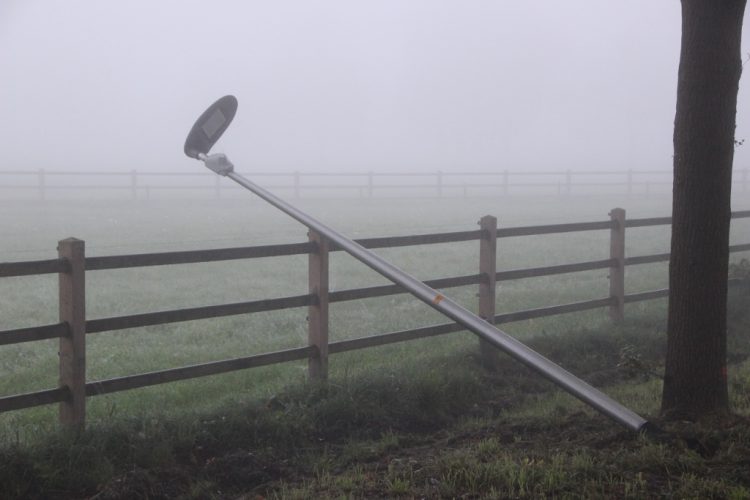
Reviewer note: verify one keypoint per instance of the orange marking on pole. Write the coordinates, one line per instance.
(437, 299)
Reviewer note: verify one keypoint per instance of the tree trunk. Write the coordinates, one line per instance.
(695, 381)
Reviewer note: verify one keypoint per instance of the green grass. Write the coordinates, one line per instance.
(438, 427)
(130, 227)
(392, 392)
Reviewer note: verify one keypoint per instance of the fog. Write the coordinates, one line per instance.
(344, 86)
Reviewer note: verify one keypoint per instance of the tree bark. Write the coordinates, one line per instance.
(695, 383)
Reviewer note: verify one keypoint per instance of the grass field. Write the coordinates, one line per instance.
(437, 427)
(137, 227)
(124, 227)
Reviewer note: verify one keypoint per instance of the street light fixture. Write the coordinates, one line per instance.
(215, 120)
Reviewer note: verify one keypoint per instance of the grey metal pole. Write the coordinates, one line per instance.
(561, 377)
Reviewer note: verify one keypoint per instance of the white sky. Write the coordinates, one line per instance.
(344, 85)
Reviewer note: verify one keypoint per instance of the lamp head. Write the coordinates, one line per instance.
(210, 126)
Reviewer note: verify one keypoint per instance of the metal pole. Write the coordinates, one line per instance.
(569, 382)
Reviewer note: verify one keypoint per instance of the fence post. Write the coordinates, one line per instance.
(617, 271)
(72, 286)
(133, 184)
(42, 185)
(317, 312)
(630, 182)
(488, 270)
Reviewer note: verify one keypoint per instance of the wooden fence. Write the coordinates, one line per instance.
(40, 183)
(72, 266)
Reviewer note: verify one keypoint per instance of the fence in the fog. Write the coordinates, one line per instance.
(43, 184)
(72, 266)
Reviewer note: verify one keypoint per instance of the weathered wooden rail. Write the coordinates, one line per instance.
(72, 265)
(136, 184)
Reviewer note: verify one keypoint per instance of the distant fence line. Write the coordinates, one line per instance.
(72, 266)
(145, 184)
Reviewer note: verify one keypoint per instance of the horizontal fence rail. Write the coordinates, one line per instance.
(194, 371)
(136, 184)
(65, 267)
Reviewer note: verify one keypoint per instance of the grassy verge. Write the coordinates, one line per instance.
(442, 427)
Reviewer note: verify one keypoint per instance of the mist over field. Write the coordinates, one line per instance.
(367, 91)
(384, 87)
(423, 116)
(341, 86)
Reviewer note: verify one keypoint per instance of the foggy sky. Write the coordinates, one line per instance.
(383, 85)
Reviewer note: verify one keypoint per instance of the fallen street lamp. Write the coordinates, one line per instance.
(212, 124)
